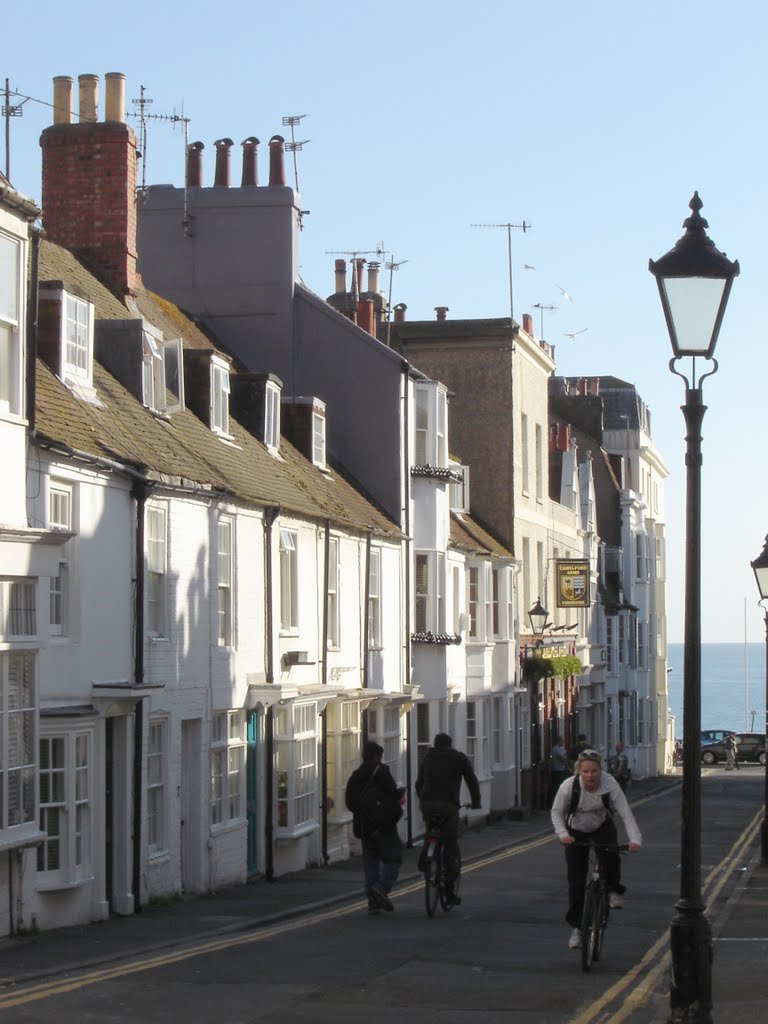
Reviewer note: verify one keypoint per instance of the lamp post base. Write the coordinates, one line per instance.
(690, 939)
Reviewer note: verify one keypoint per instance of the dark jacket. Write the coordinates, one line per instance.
(356, 784)
(440, 776)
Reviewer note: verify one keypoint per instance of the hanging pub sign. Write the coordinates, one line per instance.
(572, 584)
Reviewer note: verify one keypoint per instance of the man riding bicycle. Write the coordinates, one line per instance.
(438, 787)
(582, 813)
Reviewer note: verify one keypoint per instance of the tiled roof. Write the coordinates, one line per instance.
(181, 447)
(467, 534)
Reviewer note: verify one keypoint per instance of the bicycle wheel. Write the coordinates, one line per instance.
(600, 920)
(445, 903)
(588, 917)
(432, 882)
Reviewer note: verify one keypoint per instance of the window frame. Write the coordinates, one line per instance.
(27, 764)
(74, 839)
(296, 762)
(344, 739)
(375, 641)
(318, 439)
(156, 625)
(227, 769)
(333, 596)
(289, 580)
(220, 390)
(12, 324)
(73, 373)
(430, 424)
(272, 416)
(225, 583)
(429, 592)
(157, 785)
(59, 617)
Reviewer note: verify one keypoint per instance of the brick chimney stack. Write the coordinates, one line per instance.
(89, 181)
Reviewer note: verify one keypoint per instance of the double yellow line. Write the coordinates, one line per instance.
(646, 975)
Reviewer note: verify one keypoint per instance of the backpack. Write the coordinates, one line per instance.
(575, 796)
(381, 810)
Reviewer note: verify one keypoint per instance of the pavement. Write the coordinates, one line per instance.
(740, 933)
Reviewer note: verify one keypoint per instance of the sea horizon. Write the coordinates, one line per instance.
(733, 686)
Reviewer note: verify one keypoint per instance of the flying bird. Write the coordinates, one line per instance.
(572, 336)
(527, 266)
(565, 294)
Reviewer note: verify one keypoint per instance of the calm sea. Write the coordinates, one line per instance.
(732, 686)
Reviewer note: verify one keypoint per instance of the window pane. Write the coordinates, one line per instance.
(9, 278)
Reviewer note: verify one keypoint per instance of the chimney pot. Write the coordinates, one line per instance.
(89, 97)
(223, 147)
(277, 160)
(114, 102)
(341, 276)
(400, 309)
(528, 324)
(63, 95)
(441, 312)
(373, 276)
(195, 164)
(250, 167)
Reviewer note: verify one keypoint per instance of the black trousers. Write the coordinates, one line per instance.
(577, 861)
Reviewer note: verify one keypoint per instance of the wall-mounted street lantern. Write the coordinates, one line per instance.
(538, 616)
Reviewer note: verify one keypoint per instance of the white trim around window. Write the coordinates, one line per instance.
(12, 277)
(64, 858)
(289, 581)
(157, 569)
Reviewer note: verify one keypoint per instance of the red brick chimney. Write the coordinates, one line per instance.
(528, 324)
(89, 182)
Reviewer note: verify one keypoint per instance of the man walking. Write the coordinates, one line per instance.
(374, 799)
(438, 786)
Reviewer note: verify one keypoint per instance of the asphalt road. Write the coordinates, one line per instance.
(500, 957)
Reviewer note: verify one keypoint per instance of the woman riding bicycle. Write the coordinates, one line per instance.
(438, 787)
(582, 813)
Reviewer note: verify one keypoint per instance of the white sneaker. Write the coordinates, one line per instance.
(575, 940)
(615, 901)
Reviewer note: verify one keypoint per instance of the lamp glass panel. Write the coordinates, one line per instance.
(761, 575)
(694, 303)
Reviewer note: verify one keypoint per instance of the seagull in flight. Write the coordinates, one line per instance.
(527, 266)
(575, 333)
(565, 294)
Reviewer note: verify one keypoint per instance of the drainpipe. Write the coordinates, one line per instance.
(270, 515)
(139, 492)
(366, 638)
(407, 666)
(324, 714)
(32, 321)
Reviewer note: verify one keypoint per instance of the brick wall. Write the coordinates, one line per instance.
(89, 197)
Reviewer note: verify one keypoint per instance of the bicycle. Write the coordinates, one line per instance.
(433, 866)
(594, 918)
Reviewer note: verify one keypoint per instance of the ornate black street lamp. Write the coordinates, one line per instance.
(760, 565)
(694, 280)
(538, 617)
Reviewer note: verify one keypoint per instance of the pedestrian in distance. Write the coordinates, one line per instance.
(731, 753)
(619, 767)
(438, 787)
(583, 813)
(375, 800)
(582, 743)
(559, 768)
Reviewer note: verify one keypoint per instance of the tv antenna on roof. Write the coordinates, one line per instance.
(391, 266)
(142, 102)
(508, 228)
(293, 146)
(541, 307)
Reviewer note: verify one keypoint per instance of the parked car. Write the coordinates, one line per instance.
(751, 747)
(714, 735)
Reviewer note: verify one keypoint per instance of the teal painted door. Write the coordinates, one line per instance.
(252, 795)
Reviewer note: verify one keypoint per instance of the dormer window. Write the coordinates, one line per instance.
(219, 396)
(66, 337)
(459, 488)
(272, 416)
(162, 382)
(318, 438)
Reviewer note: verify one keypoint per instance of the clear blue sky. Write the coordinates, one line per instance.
(593, 122)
